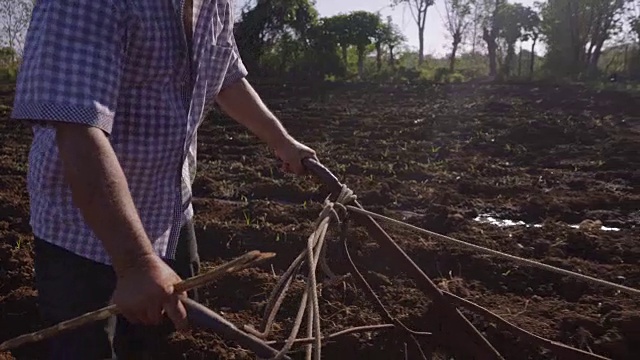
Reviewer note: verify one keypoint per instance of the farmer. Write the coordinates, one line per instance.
(115, 91)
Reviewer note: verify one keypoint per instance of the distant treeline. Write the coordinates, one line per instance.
(287, 39)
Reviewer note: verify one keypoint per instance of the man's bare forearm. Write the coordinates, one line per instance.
(101, 192)
(241, 102)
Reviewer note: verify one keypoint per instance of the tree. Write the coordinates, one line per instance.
(321, 58)
(458, 18)
(606, 15)
(394, 38)
(386, 35)
(382, 32)
(363, 27)
(576, 32)
(490, 13)
(532, 32)
(268, 22)
(476, 24)
(14, 21)
(339, 26)
(511, 22)
(566, 35)
(418, 9)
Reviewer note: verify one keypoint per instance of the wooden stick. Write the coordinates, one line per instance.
(203, 317)
(244, 261)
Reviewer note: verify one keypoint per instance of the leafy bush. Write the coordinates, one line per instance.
(441, 74)
(8, 73)
(456, 78)
(409, 74)
(444, 75)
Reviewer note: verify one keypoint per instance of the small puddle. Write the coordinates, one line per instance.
(488, 219)
(482, 218)
(603, 228)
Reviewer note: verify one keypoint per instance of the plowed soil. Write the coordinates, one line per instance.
(544, 172)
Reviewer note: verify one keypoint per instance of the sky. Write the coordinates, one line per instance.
(437, 40)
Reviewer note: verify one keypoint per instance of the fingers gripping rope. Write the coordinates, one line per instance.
(314, 254)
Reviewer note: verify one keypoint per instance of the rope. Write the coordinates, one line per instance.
(488, 251)
(314, 254)
(368, 290)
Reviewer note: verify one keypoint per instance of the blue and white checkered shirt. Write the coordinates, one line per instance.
(123, 66)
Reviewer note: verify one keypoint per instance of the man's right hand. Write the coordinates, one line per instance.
(145, 290)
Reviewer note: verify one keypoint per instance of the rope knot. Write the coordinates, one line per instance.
(331, 208)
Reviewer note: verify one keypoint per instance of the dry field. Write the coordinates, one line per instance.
(515, 168)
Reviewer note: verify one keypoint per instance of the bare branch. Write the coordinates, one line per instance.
(418, 9)
(14, 21)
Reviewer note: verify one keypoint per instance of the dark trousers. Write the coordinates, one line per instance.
(69, 286)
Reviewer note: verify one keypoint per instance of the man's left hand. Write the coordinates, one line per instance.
(291, 152)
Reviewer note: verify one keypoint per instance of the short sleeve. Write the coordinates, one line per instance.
(72, 63)
(236, 69)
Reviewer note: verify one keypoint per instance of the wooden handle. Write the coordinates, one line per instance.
(323, 174)
(244, 261)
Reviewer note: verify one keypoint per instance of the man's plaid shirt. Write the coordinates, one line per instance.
(123, 66)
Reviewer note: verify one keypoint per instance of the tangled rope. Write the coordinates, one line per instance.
(314, 254)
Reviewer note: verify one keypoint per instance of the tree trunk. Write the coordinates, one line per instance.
(590, 53)
(508, 61)
(361, 62)
(578, 44)
(476, 26)
(626, 67)
(533, 58)
(344, 48)
(577, 60)
(392, 60)
(493, 64)
(595, 57)
(10, 34)
(283, 63)
(421, 46)
(520, 62)
(452, 61)
(492, 48)
(379, 56)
